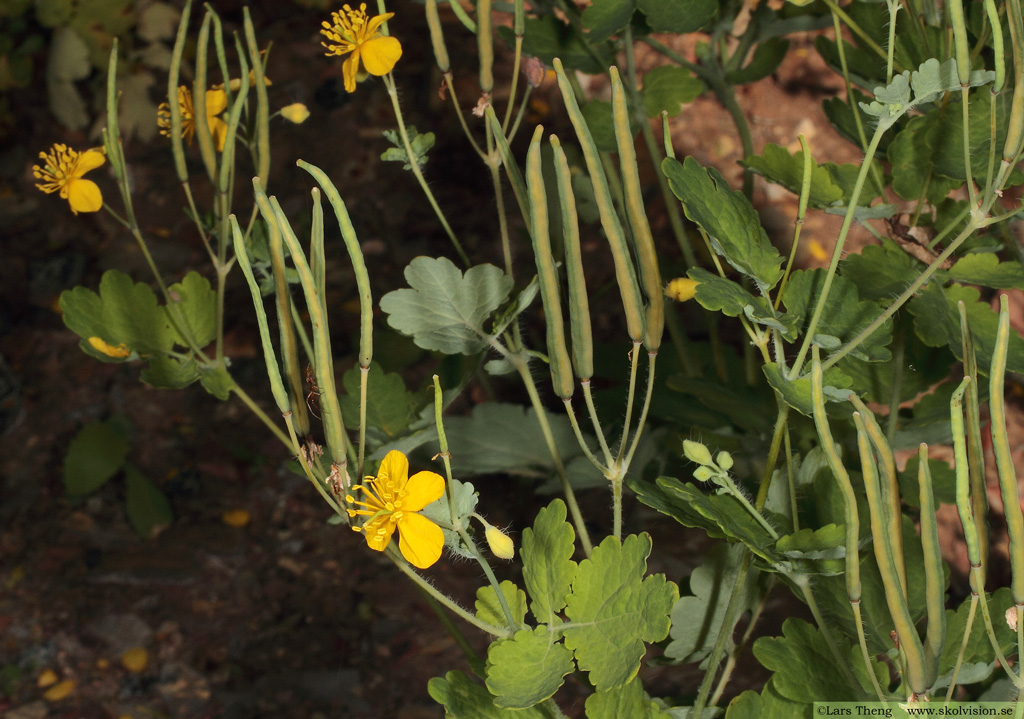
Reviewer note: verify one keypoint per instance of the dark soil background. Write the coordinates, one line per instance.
(286, 616)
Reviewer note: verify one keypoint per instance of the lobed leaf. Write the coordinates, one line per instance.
(463, 698)
(797, 392)
(149, 511)
(444, 310)
(728, 218)
(678, 16)
(668, 88)
(389, 406)
(548, 569)
(95, 455)
(489, 609)
(985, 269)
(626, 702)
(526, 669)
(613, 610)
(732, 299)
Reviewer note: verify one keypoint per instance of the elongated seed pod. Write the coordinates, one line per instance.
(625, 275)
(558, 354)
(975, 450)
(485, 45)
(963, 485)
(917, 674)
(202, 128)
(317, 261)
(1008, 488)
(515, 177)
(934, 579)
(961, 45)
(262, 104)
(579, 302)
(828, 446)
(269, 356)
(177, 142)
(227, 160)
(643, 241)
(1015, 122)
(997, 45)
(437, 36)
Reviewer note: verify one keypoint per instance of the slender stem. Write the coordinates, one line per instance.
(261, 415)
(651, 359)
(634, 358)
(462, 118)
(588, 397)
(805, 589)
(567, 401)
(443, 599)
(389, 82)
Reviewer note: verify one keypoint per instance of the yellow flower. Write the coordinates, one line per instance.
(216, 103)
(351, 31)
(296, 113)
(63, 170)
(393, 500)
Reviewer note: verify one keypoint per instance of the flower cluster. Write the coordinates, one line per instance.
(62, 171)
(352, 31)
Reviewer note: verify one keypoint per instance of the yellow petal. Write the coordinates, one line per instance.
(46, 679)
(378, 533)
(393, 472)
(236, 518)
(216, 101)
(59, 691)
(90, 160)
(84, 196)
(419, 539)
(119, 351)
(375, 22)
(349, 69)
(422, 489)
(219, 130)
(296, 113)
(380, 54)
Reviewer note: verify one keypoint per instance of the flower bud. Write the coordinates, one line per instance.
(296, 113)
(724, 460)
(500, 543)
(681, 289)
(703, 474)
(696, 452)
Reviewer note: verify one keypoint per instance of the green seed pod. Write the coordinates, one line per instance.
(625, 275)
(960, 42)
(485, 45)
(558, 353)
(643, 241)
(437, 37)
(579, 303)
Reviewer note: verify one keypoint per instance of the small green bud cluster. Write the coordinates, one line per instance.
(709, 468)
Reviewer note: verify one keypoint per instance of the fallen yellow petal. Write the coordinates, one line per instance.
(59, 691)
(47, 678)
(817, 251)
(135, 660)
(100, 346)
(236, 518)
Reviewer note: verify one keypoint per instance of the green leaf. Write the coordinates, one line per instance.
(815, 551)
(626, 702)
(499, 438)
(923, 367)
(729, 219)
(804, 668)
(197, 303)
(797, 392)
(985, 269)
(937, 323)
(548, 569)
(95, 455)
(463, 698)
(488, 608)
(613, 610)
(216, 381)
(389, 406)
(465, 498)
(949, 152)
(776, 164)
(912, 156)
(124, 312)
(149, 511)
(844, 316)
(526, 669)
(697, 620)
(421, 145)
(668, 88)
(766, 705)
(865, 67)
(678, 16)
(767, 57)
(979, 648)
(170, 372)
(605, 18)
(879, 272)
(547, 37)
(445, 310)
(730, 298)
